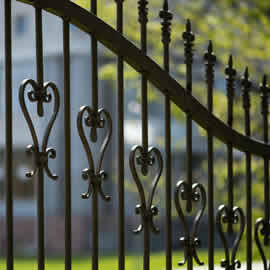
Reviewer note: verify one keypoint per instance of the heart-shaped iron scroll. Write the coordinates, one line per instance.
(146, 208)
(190, 241)
(95, 176)
(40, 95)
(223, 216)
(263, 228)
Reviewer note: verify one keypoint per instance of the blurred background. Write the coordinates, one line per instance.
(241, 28)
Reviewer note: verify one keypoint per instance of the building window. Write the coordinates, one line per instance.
(20, 24)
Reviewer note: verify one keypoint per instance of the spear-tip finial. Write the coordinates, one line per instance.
(210, 47)
(209, 56)
(246, 74)
(165, 14)
(188, 36)
(230, 71)
(188, 26)
(245, 82)
(264, 84)
(230, 63)
(165, 5)
(264, 88)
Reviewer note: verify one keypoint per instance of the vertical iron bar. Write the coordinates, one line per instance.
(166, 17)
(121, 152)
(40, 176)
(210, 61)
(143, 12)
(40, 202)
(143, 19)
(94, 57)
(189, 38)
(9, 132)
(230, 78)
(146, 257)
(95, 250)
(189, 263)
(246, 85)
(68, 250)
(264, 88)
(39, 45)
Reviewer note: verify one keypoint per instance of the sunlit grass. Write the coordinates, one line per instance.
(132, 262)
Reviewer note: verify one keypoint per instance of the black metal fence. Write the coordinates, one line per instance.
(142, 157)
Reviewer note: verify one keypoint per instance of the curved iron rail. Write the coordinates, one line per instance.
(118, 44)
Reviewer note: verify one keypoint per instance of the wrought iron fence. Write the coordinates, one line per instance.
(142, 157)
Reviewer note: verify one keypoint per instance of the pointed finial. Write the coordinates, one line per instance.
(188, 26)
(165, 5)
(245, 82)
(166, 17)
(143, 11)
(230, 63)
(210, 47)
(209, 57)
(230, 71)
(246, 74)
(189, 38)
(264, 80)
(265, 90)
(246, 85)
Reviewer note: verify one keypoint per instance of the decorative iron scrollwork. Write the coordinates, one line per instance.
(190, 241)
(262, 228)
(146, 208)
(93, 120)
(225, 216)
(41, 96)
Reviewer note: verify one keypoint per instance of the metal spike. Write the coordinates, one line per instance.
(209, 56)
(246, 74)
(210, 47)
(264, 80)
(265, 90)
(165, 5)
(188, 26)
(245, 82)
(230, 71)
(230, 63)
(246, 85)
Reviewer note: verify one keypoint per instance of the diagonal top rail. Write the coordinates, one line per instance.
(118, 44)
